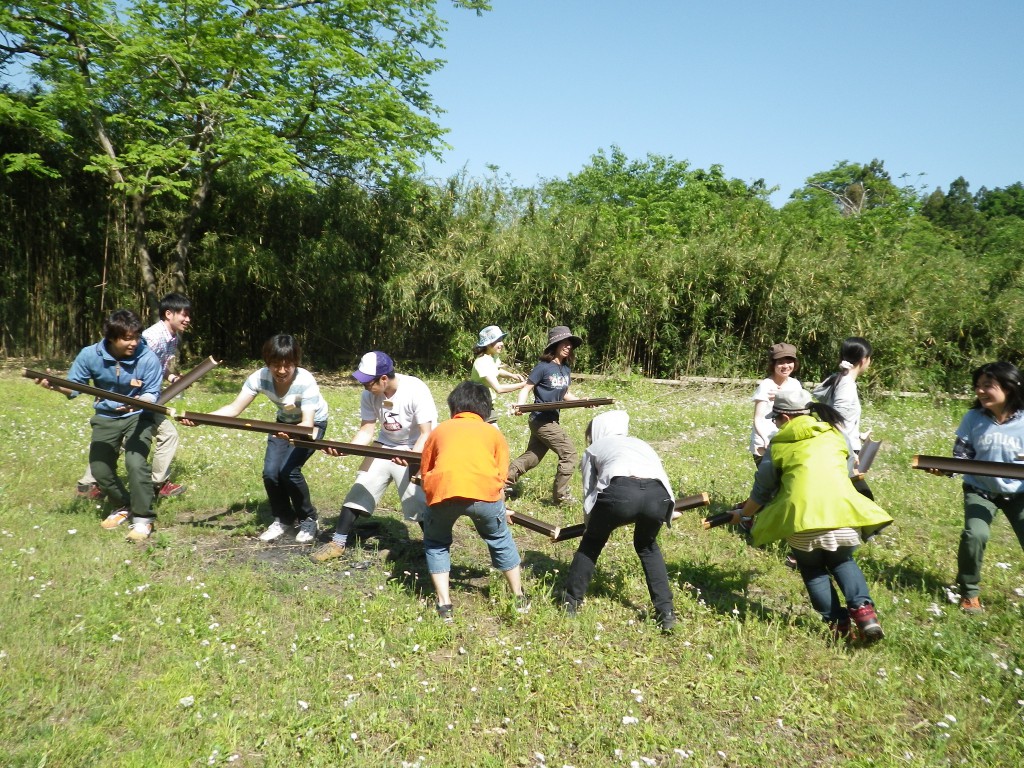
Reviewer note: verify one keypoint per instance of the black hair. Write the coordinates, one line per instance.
(822, 412)
(853, 351)
(549, 355)
(282, 348)
(121, 324)
(828, 414)
(470, 397)
(173, 303)
(1007, 375)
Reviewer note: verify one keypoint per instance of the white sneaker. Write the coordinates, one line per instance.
(307, 531)
(276, 530)
(141, 529)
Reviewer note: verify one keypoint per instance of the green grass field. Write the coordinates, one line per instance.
(206, 647)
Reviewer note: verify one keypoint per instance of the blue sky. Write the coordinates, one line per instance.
(772, 90)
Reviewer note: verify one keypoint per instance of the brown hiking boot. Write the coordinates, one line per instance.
(972, 605)
(329, 551)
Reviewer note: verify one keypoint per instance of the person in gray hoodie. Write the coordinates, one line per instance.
(624, 483)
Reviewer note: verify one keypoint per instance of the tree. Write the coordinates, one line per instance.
(1002, 201)
(656, 196)
(957, 212)
(174, 92)
(853, 188)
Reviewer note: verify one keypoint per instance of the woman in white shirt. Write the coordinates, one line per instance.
(782, 364)
(488, 368)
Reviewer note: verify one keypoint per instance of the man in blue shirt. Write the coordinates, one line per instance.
(122, 363)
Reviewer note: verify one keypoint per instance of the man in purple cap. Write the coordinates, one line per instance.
(405, 410)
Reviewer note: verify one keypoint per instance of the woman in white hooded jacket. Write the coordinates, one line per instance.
(624, 483)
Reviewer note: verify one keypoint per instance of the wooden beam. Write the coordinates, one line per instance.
(373, 451)
(186, 381)
(692, 502)
(969, 466)
(252, 425)
(591, 402)
(103, 394)
(564, 533)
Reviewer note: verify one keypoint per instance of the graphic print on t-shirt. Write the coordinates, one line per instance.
(390, 421)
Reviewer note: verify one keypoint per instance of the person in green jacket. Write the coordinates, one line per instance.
(803, 493)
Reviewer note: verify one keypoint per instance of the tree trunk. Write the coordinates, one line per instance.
(146, 270)
(201, 191)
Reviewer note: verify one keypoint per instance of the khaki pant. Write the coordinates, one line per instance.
(544, 437)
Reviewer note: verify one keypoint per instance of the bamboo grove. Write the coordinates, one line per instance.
(665, 270)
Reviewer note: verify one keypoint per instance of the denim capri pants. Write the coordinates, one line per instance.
(489, 519)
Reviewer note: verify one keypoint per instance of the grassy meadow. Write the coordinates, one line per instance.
(207, 647)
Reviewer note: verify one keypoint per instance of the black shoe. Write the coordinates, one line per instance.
(447, 613)
(667, 622)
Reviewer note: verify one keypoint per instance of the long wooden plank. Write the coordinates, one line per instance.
(692, 502)
(570, 532)
(533, 524)
(722, 518)
(186, 381)
(592, 402)
(687, 502)
(969, 466)
(374, 451)
(252, 425)
(564, 533)
(103, 394)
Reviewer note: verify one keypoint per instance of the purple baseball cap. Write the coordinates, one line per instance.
(373, 365)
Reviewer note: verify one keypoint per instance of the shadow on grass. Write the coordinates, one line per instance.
(906, 574)
(236, 516)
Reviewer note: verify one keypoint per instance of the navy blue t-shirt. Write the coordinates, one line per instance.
(550, 383)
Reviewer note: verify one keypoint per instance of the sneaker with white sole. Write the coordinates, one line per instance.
(275, 531)
(308, 529)
(116, 518)
(142, 529)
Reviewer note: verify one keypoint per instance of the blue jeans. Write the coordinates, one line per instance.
(286, 486)
(642, 503)
(819, 567)
(489, 519)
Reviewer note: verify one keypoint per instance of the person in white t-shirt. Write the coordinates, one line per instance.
(488, 367)
(782, 364)
(297, 396)
(840, 391)
(405, 410)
